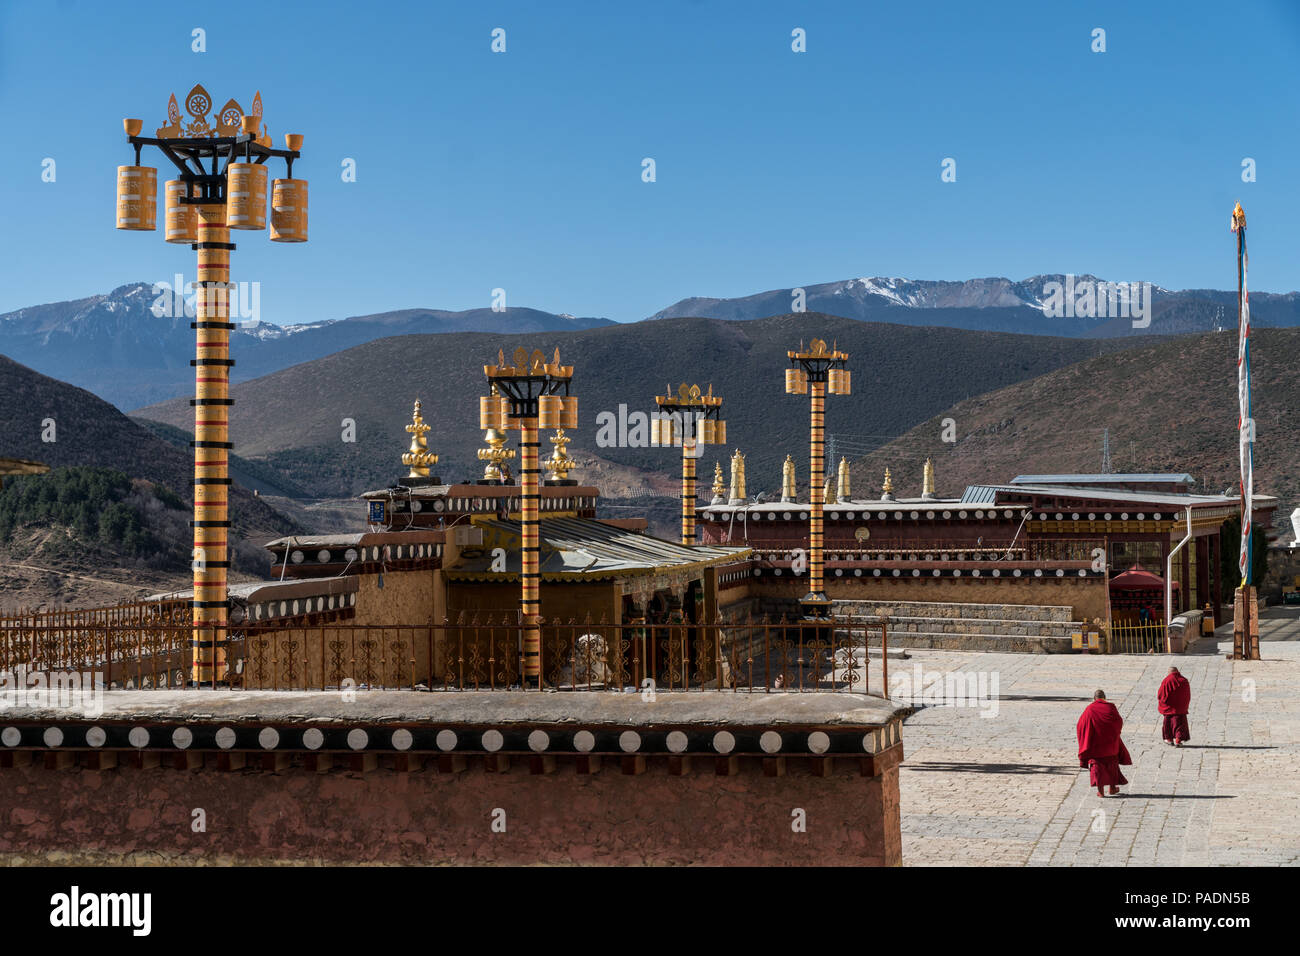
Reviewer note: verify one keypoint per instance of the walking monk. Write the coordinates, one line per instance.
(1175, 699)
(1100, 749)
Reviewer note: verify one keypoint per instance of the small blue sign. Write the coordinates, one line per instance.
(377, 512)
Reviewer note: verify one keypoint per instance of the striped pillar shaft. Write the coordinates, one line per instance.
(688, 493)
(211, 445)
(817, 479)
(529, 604)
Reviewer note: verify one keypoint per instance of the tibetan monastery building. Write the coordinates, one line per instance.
(1043, 541)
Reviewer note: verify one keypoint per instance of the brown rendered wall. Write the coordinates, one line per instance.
(130, 815)
(305, 657)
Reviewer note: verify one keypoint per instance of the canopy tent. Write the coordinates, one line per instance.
(1135, 579)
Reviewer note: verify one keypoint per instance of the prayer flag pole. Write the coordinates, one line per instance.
(1245, 629)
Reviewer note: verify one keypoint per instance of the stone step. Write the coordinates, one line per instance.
(1011, 644)
(1028, 612)
(989, 625)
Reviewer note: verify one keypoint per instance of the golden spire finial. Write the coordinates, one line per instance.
(737, 478)
(495, 454)
(787, 480)
(927, 482)
(559, 464)
(418, 456)
(719, 485)
(887, 491)
(1238, 217)
(842, 493)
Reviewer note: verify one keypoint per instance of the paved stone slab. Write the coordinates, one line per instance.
(1006, 789)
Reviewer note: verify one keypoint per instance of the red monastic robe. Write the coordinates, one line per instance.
(1100, 748)
(1175, 699)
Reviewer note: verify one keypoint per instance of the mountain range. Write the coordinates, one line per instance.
(120, 348)
(116, 345)
(1001, 305)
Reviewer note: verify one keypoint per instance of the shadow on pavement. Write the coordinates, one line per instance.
(1179, 796)
(962, 767)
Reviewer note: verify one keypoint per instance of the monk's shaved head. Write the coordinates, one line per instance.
(1099, 695)
(1173, 670)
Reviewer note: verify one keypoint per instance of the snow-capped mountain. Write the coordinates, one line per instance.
(133, 346)
(1040, 305)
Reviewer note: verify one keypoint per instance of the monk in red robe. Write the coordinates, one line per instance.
(1175, 699)
(1100, 748)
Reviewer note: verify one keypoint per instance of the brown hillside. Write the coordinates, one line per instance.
(902, 375)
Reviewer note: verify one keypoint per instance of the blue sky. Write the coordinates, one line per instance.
(522, 170)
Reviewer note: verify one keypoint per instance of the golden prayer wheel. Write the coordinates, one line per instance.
(706, 432)
(137, 197)
(569, 415)
(796, 381)
(661, 431)
(289, 210)
(246, 196)
(550, 411)
(719, 432)
(838, 381)
(491, 412)
(182, 219)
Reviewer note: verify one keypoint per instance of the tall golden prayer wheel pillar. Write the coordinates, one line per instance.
(220, 160)
(536, 393)
(817, 371)
(689, 418)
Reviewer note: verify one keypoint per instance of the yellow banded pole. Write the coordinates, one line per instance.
(688, 492)
(529, 604)
(211, 439)
(818, 481)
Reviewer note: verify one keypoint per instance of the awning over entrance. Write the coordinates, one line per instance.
(1135, 579)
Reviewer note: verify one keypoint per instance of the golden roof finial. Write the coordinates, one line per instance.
(719, 484)
(1238, 217)
(842, 493)
(927, 482)
(787, 480)
(887, 491)
(559, 464)
(418, 456)
(495, 454)
(737, 478)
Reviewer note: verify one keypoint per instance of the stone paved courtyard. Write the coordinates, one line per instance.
(1006, 790)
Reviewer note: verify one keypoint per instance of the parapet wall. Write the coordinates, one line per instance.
(507, 777)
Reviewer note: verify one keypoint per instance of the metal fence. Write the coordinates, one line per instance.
(1130, 638)
(152, 650)
(144, 643)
